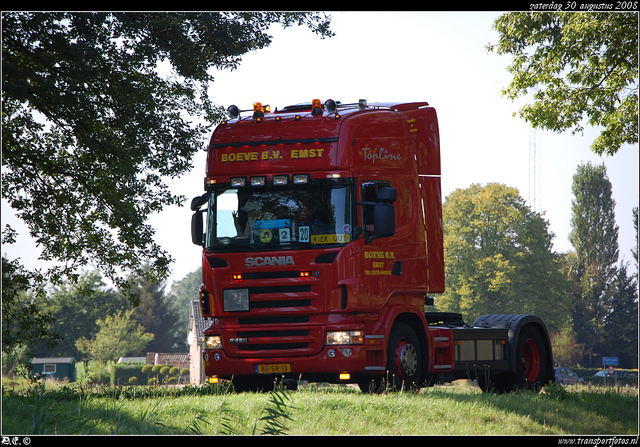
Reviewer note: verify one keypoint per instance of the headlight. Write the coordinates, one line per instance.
(235, 300)
(213, 342)
(345, 338)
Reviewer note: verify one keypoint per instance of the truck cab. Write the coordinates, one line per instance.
(321, 228)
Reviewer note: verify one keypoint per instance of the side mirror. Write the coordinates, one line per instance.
(384, 216)
(197, 202)
(197, 228)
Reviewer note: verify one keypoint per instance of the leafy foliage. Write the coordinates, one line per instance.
(594, 236)
(118, 336)
(498, 257)
(91, 127)
(584, 64)
(98, 109)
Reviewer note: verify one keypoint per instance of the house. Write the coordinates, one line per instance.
(60, 368)
(197, 325)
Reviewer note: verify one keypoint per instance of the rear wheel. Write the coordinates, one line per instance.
(531, 360)
(404, 359)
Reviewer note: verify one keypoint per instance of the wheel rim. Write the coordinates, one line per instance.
(530, 360)
(406, 359)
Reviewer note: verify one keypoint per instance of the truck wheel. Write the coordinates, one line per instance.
(243, 384)
(531, 360)
(404, 360)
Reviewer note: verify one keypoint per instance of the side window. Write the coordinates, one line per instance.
(368, 193)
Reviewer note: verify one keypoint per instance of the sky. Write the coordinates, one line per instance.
(438, 57)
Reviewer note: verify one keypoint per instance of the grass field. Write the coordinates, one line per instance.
(458, 409)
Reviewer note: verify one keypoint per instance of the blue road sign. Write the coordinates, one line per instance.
(610, 361)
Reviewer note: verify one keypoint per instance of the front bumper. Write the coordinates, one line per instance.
(332, 360)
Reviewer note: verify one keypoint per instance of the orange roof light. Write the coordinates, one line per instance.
(316, 107)
(258, 112)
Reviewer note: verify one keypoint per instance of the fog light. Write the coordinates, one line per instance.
(345, 376)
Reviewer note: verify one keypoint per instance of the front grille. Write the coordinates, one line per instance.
(272, 347)
(285, 317)
(273, 320)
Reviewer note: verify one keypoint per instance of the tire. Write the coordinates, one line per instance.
(531, 364)
(531, 360)
(404, 359)
(254, 384)
(374, 386)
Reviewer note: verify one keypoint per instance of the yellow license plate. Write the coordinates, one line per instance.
(273, 369)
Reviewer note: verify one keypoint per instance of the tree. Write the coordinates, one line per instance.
(621, 321)
(498, 257)
(584, 64)
(634, 251)
(24, 323)
(118, 336)
(186, 290)
(158, 315)
(74, 308)
(91, 128)
(594, 236)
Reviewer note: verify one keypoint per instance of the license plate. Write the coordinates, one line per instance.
(273, 369)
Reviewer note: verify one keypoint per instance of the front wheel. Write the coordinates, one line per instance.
(404, 358)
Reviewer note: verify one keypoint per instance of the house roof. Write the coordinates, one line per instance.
(132, 360)
(200, 323)
(42, 360)
(164, 358)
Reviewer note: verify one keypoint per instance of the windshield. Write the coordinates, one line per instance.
(279, 217)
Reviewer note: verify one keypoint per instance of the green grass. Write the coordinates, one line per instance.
(457, 409)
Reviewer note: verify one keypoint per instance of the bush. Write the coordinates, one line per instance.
(133, 380)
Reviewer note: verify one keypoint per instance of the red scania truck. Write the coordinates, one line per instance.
(321, 228)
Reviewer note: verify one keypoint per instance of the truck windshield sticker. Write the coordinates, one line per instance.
(278, 216)
(330, 238)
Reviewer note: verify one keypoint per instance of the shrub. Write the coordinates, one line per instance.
(133, 380)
